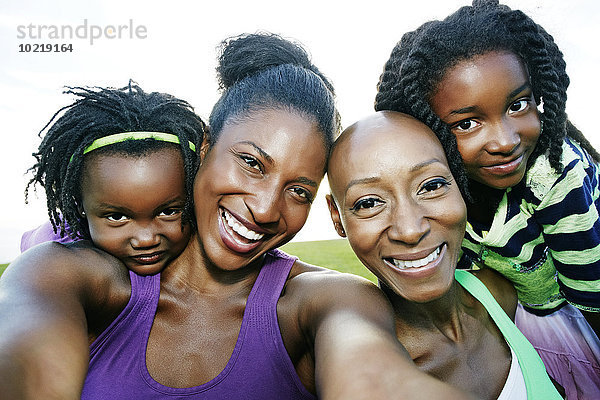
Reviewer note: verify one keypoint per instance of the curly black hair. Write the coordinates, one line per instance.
(419, 61)
(263, 71)
(100, 112)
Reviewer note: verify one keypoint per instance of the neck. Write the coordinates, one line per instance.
(195, 271)
(443, 314)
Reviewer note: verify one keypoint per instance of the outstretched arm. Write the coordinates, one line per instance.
(356, 352)
(43, 326)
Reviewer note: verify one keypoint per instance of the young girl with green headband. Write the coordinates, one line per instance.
(117, 167)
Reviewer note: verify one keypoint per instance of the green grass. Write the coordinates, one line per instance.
(332, 254)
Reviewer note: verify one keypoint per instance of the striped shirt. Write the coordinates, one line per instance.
(545, 235)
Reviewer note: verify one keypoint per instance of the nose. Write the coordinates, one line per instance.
(145, 236)
(504, 137)
(266, 204)
(408, 223)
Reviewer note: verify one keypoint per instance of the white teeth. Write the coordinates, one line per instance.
(241, 229)
(402, 264)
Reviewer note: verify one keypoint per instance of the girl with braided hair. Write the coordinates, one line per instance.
(491, 83)
(117, 167)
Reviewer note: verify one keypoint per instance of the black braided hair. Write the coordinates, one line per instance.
(265, 71)
(100, 112)
(419, 61)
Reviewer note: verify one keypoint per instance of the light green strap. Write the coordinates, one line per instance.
(538, 383)
(121, 137)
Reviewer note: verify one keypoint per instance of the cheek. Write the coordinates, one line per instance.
(451, 215)
(455, 223)
(296, 216)
(177, 236)
(458, 215)
(217, 178)
(469, 147)
(110, 240)
(363, 238)
(204, 188)
(531, 130)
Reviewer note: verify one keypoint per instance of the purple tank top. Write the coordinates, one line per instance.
(259, 368)
(44, 233)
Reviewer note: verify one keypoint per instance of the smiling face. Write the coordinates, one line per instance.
(396, 201)
(133, 206)
(256, 185)
(488, 103)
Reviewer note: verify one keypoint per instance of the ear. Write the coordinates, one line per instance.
(204, 148)
(80, 209)
(335, 216)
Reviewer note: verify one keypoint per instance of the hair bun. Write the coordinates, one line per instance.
(245, 55)
(485, 3)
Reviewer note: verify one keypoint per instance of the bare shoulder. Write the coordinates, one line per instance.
(54, 299)
(79, 260)
(78, 269)
(315, 279)
(501, 288)
(318, 289)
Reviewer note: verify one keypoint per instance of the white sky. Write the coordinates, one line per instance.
(348, 40)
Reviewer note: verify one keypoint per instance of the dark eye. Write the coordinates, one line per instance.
(169, 212)
(302, 194)
(251, 162)
(365, 204)
(518, 105)
(433, 185)
(465, 125)
(116, 217)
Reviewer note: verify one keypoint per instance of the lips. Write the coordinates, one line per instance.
(150, 258)
(240, 229)
(417, 266)
(237, 235)
(404, 264)
(505, 168)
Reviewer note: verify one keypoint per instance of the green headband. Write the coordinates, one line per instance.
(121, 137)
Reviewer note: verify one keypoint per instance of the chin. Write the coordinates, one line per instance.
(144, 270)
(429, 295)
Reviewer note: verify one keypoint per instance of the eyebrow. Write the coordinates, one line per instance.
(259, 150)
(306, 181)
(373, 179)
(107, 207)
(423, 164)
(361, 181)
(301, 179)
(463, 110)
(518, 90)
(511, 95)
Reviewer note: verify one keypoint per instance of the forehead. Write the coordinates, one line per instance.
(114, 171)
(493, 71)
(278, 132)
(391, 144)
(394, 137)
